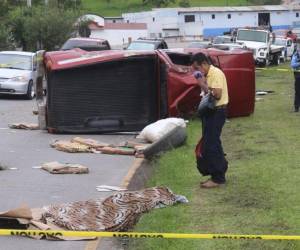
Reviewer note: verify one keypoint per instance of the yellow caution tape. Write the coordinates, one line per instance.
(82, 234)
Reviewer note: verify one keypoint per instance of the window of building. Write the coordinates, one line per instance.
(297, 14)
(189, 18)
(213, 16)
(229, 16)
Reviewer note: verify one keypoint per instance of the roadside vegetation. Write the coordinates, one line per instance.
(261, 196)
(39, 27)
(117, 7)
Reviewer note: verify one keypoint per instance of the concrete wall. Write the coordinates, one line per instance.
(118, 37)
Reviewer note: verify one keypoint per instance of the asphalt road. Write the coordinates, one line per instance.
(24, 149)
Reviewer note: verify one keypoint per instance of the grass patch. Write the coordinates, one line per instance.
(117, 7)
(261, 196)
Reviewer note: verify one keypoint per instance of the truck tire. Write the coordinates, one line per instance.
(265, 63)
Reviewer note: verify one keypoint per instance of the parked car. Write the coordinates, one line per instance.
(147, 44)
(229, 46)
(88, 44)
(18, 72)
(222, 39)
(200, 45)
(92, 92)
(289, 47)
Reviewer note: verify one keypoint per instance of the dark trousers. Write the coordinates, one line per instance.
(297, 90)
(212, 150)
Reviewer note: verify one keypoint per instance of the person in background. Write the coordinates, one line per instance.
(295, 64)
(212, 80)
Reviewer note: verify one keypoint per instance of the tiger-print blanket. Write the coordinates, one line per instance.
(118, 212)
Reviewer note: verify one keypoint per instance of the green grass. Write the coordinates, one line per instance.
(262, 193)
(117, 7)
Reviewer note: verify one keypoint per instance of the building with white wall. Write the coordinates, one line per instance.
(211, 21)
(114, 29)
(118, 33)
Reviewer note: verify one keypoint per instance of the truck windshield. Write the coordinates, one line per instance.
(12, 61)
(252, 35)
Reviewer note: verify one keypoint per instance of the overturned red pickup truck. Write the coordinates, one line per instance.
(115, 91)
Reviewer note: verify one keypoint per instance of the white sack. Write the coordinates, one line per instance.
(157, 130)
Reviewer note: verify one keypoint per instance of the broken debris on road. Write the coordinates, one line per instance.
(64, 168)
(26, 126)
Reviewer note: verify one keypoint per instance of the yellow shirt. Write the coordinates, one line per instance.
(217, 80)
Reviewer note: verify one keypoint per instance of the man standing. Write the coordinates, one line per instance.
(214, 82)
(295, 64)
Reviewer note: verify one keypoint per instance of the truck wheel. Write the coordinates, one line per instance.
(30, 91)
(265, 63)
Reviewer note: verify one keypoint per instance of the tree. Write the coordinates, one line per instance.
(159, 3)
(16, 24)
(3, 9)
(16, 2)
(4, 38)
(41, 27)
(184, 3)
(65, 4)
